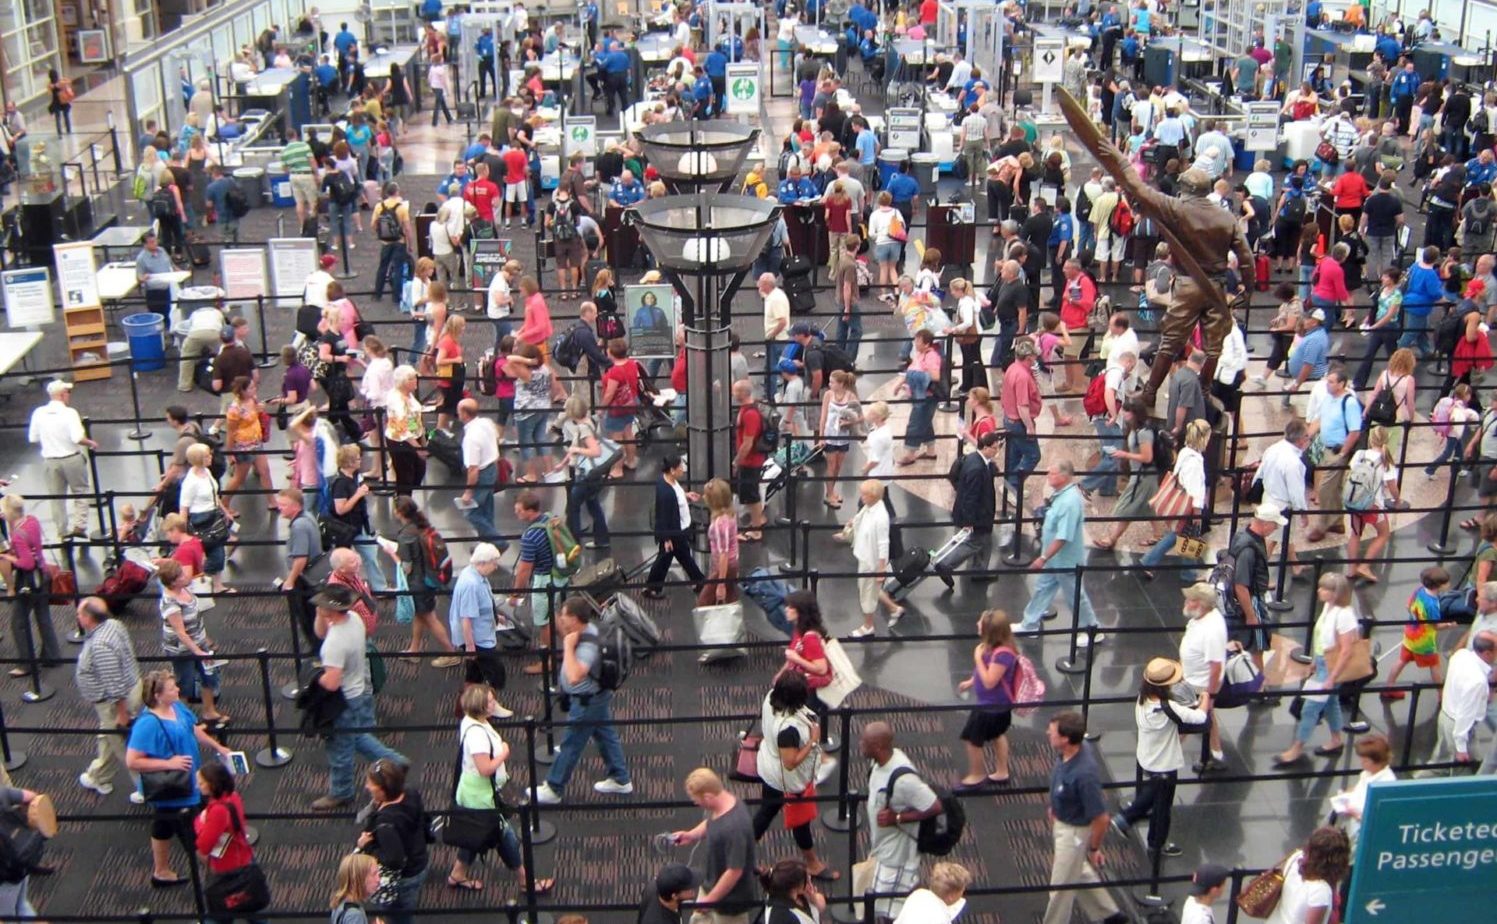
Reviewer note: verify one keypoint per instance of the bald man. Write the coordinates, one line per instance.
(347, 570)
(898, 800)
(1010, 298)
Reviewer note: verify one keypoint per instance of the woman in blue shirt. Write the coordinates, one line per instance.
(167, 736)
(359, 137)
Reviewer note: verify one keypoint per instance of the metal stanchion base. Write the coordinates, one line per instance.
(1299, 657)
(140, 434)
(17, 761)
(75, 638)
(1439, 549)
(40, 695)
(845, 914)
(788, 567)
(1150, 900)
(348, 275)
(291, 690)
(948, 407)
(541, 917)
(546, 756)
(543, 832)
(382, 490)
(1093, 735)
(271, 758)
(1279, 606)
(832, 822)
(1067, 666)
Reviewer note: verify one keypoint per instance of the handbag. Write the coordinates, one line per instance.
(1260, 897)
(1327, 153)
(1361, 664)
(165, 785)
(597, 467)
(1171, 501)
(238, 892)
(746, 758)
(64, 587)
(845, 678)
(472, 829)
(800, 808)
(336, 534)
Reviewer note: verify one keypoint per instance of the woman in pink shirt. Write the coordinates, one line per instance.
(25, 567)
(1328, 285)
(537, 328)
(923, 372)
(721, 585)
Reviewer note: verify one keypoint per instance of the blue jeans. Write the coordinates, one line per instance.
(1160, 550)
(1414, 327)
(418, 337)
(1044, 591)
(585, 493)
(1315, 710)
(591, 720)
(481, 514)
(368, 550)
(1088, 235)
(407, 891)
(1105, 476)
(530, 431)
(1021, 453)
(1452, 450)
(392, 254)
(1305, 272)
(850, 333)
(772, 351)
(503, 327)
(341, 746)
(213, 556)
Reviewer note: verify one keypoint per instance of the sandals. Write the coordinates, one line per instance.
(751, 536)
(544, 886)
(469, 885)
(1471, 523)
(827, 874)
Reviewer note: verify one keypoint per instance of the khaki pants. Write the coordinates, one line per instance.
(60, 477)
(448, 262)
(717, 917)
(111, 756)
(1329, 491)
(198, 344)
(1070, 867)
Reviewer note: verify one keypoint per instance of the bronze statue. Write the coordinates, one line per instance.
(1200, 234)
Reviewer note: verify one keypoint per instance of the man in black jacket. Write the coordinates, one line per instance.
(975, 508)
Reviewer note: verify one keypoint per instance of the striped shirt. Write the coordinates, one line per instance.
(106, 669)
(296, 157)
(722, 537)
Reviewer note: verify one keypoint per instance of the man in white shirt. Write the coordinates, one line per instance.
(1206, 888)
(895, 807)
(776, 328)
(58, 430)
(1463, 701)
(961, 72)
(500, 303)
(203, 327)
(446, 237)
(481, 465)
(315, 291)
(1281, 471)
(1121, 338)
(1203, 654)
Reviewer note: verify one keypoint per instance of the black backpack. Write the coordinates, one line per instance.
(567, 350)
(387, 224)
(1164, 449)
(769, 434)
(341, 189)
(162, 206)
(938, 834)
(1083, 210)
(1294, 209)
(20, 847)
(1384, 411)
(218, 462)
(236, 202)
(615, 654)
(836, 359)
(1449, 331)
(564, 224)
(1479, 221)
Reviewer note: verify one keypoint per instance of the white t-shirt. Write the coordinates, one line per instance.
(199, 493)
(683, 507)
(1194, 912)
(895, 845)
(480, 443)
(966, 315)
(1204, 644)
(878, 225)
(499, 299)
(792, 395)
(208, 320)
(771, 770)
(777, 308)
(1126, 342)
(1299, 895)
(1389, 476)
(880, 450)
(315, 292)
(481, 738)
(1333, 621)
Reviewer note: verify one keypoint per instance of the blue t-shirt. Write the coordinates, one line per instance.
(1076, 789)
(358, 136)
(1064, 521)
(1339, 417)
(1062, 230)
(164, 739)
(1313, 350)
(867, 145)
(473, 599)
(344, 42)
(327, 75)
(217, 193)
(535, 547)
(903, 187)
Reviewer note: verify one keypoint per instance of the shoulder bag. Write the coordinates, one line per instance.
(240, 891)
(845, 678)
(165, 785)
(475, 829)
(215, 532)
(1260, 897)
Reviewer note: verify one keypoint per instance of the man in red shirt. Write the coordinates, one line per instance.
(1076, 300)
(1020, 397)
(483, 193)
(928, 13)
(516, 182)
(748, 461)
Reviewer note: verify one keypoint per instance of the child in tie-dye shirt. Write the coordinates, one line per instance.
(1420, 642)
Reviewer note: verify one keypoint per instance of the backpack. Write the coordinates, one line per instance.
(835, 359)
(161, 205)
(140, 187)
(769, 434)
(954, 473)
(236, 202)
(1480, 124)
(1164, 449)
(1359, 491)
(1122, 219)
(20, 847)
(1224, 576)
(341, 189)
(1384, 411)
(1449, 332)
(1294, 209)
(1479, 221)
(938, 835)
(376, 661)
(1025, 686)
(65, 93)
(218, 462)
(1083, 209)
(1094, 402)
(566, 553)
(615, 654)
(564, 224)
(387, 224)
(436, 563)
(567, 348)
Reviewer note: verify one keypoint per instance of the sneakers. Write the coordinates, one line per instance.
(545, 795)
(613, 787)
(87, 782)
(1120, 824)
(499, 712)
(1022, 629)
(329, 804)
(1083, 640)
(137, 797)
(862, 632)
(825, 769)
(446, 661)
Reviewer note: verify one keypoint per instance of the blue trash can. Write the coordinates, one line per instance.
(144, 332)
(1245, 158)
(280, 186)
(889, 162)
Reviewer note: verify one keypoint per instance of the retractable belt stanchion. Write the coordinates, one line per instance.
(382, 486)
(536, 829)
(140, 432)
(836, 819)
(1278, 604)
(1443, 546)
(93, 473)
(1069, 664)
(847, 914)
(1302, 656)
(548, 671)
(14, 758)
(265, 358)
(271, 756)
(293, 606)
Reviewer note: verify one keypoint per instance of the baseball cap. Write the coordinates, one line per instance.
(334, 597)
(57, 387)
(801, 329)
(675, 878)
(1269, 513)
(1318, 315)
(1207, 877)
(327, 261)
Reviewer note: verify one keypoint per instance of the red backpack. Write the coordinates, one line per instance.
(436, 565)
(1094, 402)
(1122, 219)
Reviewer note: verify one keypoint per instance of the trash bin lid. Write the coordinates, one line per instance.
(925, 157)
(249, 173)
(894, 155)
(199, 294)
(144, 320)
(275, 166)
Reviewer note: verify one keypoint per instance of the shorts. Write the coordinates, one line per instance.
(836, 447)
(505, 410)
(485, 666)
(1405, 656)
(517, 192)
(983, 725)
(167, 823)
(570, 254)
(304, 190)
(1486, 485)
(243, 458)
(617, 423)
(886, 253)
(748, 487)
(1073, 349)
(868, 588)
(451, 394)
(1361, 519)
(192, 679)
(540, 601)
(1251, 638)
(423, 600)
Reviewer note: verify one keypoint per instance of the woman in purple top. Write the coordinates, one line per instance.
(992, 683)
(296, 384)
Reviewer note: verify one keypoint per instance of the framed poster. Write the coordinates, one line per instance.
(652, 318)
(93, 46)
(28, 297)
(485, 260)
(77, 277)
(292, 260)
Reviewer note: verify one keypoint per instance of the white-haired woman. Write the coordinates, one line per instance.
(405, 433)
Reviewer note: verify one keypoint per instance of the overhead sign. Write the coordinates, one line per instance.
(292, 260)
(1427, 852)
(742, 82)
(243, 273)
(582, 135)
(651, 318)
(1261, 127)
(1049, 60)
(77, 277)
(28, 297)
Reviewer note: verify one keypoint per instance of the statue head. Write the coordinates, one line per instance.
(1194, 183)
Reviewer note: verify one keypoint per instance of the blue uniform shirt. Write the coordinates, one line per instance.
(1477, 172)
(344, 42)
(701, 89)
(1387, 48)
(903, 188)
(614, 62)
(454, 185)
(326, 74)
(1129, 48)
(1061, 230)
(1405, 84)
(791, 191)
(627, 195)
(716, 64)
(484, 46)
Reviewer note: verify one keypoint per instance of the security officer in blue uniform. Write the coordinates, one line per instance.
(614, 64)
(716, 69)
(702, 93)
(627, 192)
(485, 49)
(795, 188)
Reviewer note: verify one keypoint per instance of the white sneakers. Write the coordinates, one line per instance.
(545, 795)
(88, 782)
(862, 632)
(613, 788)
(1083, 640)
(500, 712)
(825, 769)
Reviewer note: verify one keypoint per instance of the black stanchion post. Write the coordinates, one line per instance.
(1086, 683)
(1232, 460)
(1302, 656)
(527, 857)
(265, 359)
(1408, 738)
(848, 914)
(805, 546)
(195, 871)
(536, 830)
(1443, 546)
(140, 432)
(1278, 604)
(93, 474)
(837, 819)
(382, 487)
(1150, 898)
(1069, 664)
(293, 689)
(75, 637)
(14, 759)
(343, 249)
(1403, 451)
(948, 406)
(548, 692)
(271, 756)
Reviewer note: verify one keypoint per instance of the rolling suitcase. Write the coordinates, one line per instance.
(796, 276)
(447, 449)
(1262, 269)
(643, 631)
(198, 252)
(915, 564)
(122, 584)
(599, 581)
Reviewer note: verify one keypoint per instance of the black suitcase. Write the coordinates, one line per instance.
(447, 449)
(199, 253)
(202, 375)
(466, 112)
(908, 571)
(599, 581)
(797, 266)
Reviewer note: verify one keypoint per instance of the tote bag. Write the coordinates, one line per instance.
(845, 678)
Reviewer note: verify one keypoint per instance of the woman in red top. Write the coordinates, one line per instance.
(1350, 191)
(450, 369)
(980, 415)
(621, 393)
(838, 207)
(220, 829)
(536, 330)
(187, 549)
(1328, 285)
(807, 652)
(1473, 352)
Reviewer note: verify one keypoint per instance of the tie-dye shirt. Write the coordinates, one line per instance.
(1424, 612)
